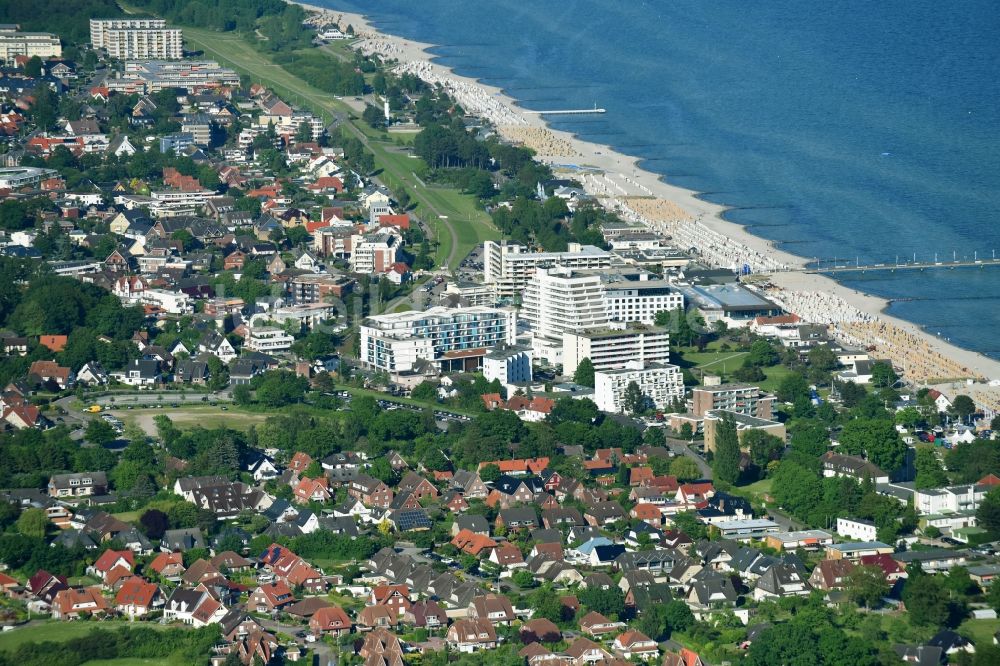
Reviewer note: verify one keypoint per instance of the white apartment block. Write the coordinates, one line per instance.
(557, 300)
(374, 253)
(268, 339)
(661, 383)
(99, 28)
(452, 339)
(509, 266)
(857, 529)
(615, 346)
(171, 302)
(640, 300)
(28, 44)
(137, 39)
(508, 366)
(951, 499)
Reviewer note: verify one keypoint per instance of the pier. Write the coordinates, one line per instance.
(568, 112)
(917, 265)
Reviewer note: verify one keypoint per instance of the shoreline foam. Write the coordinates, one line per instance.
(858, 317)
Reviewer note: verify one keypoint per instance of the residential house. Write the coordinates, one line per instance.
(470, 635)
(73, 603)
(137, 597)
(597, 625)
(831, 574)
(270, 597)
(635, 644)
(493, 607)
(81, 484)
(330, 620)
(780, 581)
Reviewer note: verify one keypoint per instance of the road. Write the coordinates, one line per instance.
(680, 447)
(321, 654)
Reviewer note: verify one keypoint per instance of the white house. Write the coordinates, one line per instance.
(92, 374)
(857, 529)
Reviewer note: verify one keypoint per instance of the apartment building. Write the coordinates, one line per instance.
(660, 383)
(510, 266)
(951, 499)
(508, 365)
(268, 339)
(739, 398)
(334, 240)
(318, 288)
(137, 39)
(639, 300)
(557, 300)
(613, 346)
(374, 253)
(151, 76)
(744, 423)
(29, 44)
(452, 339)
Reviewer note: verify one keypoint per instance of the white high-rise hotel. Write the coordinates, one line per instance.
(137, 39)
(560, 301)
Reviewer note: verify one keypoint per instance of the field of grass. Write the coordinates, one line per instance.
(724, 363)
(205, 416)
(56, 632)
(980, 631)
(127, 661)
(462, 225)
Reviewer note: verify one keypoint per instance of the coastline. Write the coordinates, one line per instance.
(621, 184)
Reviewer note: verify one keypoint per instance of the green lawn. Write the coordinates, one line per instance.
(724, 363)
(980, 631)
(127, 661)
(57, 632)
(755, 489)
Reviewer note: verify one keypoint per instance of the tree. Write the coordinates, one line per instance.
(373, 117)
(867, 586)
(810, 438)
(726, 463)
(154, 523)
(908, 417)
(988, 513)
(764, 447)
(877, 439)
(822, 358)
(963, 407)
(762, 354)
(523, 578)
(930, 473)
(634, 401)
(791, 387)
(33, 523)
(489, 473)
(883, 375)
(584, 374)
(100, 432)
(426, 391)
(242, 394)
(685, 469)
(926, 600)
(610, 602)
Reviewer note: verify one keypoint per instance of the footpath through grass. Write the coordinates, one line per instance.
(453, 217)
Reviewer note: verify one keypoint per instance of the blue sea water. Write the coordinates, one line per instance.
(844, 128)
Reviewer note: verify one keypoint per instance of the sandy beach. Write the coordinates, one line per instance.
(636, 194)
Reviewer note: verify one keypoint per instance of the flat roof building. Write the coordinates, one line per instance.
(509, 265)
(138, 39)
(739, 398)
(454, 340)
(615, 345)
(29, 44)
(660, 383)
